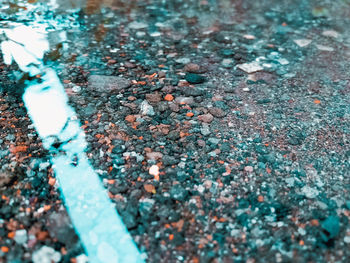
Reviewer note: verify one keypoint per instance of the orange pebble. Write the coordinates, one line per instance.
(4, 249)
(171, 237)
(317, 101)
(52, 181)
(260, 198)
(189, 114)
(169, 97)
(11, 234)
(314, 222)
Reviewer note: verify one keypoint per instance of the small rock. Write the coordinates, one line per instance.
(192, 91)
(229, 89)
(184, 100)
(82, 259)
(174, 107)
(325, 48)
(201, 143)
(205, 129)
(207, 118)
(154, 170)
(150, 188)
(169, 160)
(192, 67)
(347, 239)
(5, 178)
(250, 67)
(183, 60)
(137, 25)
(214, 141)
(145, 206)
(46, 255)
(302, 42)
(129, 65)
(60, 227)
(194, 78)
(309, 192)
(104, 83)
(330, 33)
(153, 97)
(146, 109)
(154, 155)
(21, 236)
(217, 112)
(173, 135)
(227, 62)
(331, 226)
(178, 193)
(129, 220)
(249, 169)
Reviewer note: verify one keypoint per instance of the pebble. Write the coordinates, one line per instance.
(309, 192)
(325, 48)
(154, 170)
(21, 236)
(76, 88)
(129, 64)
(217, 112)
(154, 155)
(105, 83)
(227, 62)
(192, 67)
(194, 78)
(201, 143)
(146, 109)
(250, 67)
(174, 107)
(214, 141)
(230, 89)
(302, 42)
(184, 100)
(205, 129)
(330, 33)
(153, 97)
(183, 60)
(178, 193)
(207, 118)
(5, 178)
(82, 259)
(347, 239)
(249, 169)
(129, 219)
(60, 228)
(192, 91)
(137, 25)
(169, 160)
(46, 255)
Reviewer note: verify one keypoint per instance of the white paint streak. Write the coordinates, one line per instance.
(94, 217)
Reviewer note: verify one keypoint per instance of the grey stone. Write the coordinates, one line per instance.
(105, 83)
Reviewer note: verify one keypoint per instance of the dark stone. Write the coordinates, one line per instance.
(194, 78)
(129, 220)
(169, 160)
(330, 227)
(60, 227)
(177, 192)
(118, 160)
(192, 91)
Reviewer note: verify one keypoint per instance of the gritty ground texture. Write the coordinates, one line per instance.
(219, 128)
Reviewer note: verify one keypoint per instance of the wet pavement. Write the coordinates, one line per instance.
(219, 128)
